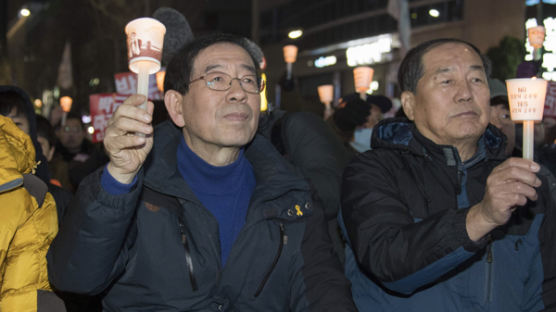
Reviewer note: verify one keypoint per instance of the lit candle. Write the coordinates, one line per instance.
(326, 96)
(526, 97)
(290, 55)
(145, 37)
(362, 77)
(65, 102)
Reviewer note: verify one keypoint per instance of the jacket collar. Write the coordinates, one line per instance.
(274, 175)
(399, 133)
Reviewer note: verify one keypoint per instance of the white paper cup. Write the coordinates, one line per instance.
(326, 93)
(526, 97)
(362, 77)
(290, 53)
(145, 38)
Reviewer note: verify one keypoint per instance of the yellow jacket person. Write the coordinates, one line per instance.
(28, 223)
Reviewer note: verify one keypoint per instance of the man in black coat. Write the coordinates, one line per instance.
(205, 215)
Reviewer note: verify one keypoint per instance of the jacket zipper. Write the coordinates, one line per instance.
(188, 259)
(283, 241)
(489, 260)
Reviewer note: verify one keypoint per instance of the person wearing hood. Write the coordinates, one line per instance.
(27, 226)
(15, 104)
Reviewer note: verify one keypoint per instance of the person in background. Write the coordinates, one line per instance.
(27, 226)
(355, 118)
(309, 144)
(438, 217)
(352, 114)
(47, 140)
(75, 156)
(380, 105)
(15, 104)
(205, 214)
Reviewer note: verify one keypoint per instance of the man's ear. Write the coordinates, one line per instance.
(173, 101)
(408, 104)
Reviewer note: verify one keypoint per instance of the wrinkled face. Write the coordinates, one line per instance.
(500, 117)
(220, 118)
(19, 119)
(71, 135)
(451, 102)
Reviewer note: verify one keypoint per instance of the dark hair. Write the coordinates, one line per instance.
(11, 99)
(352, 115)
(411, 68)
(178, 71)
(500, 100)
(45, 130)
(71, 115)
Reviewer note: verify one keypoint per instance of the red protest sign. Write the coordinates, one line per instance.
(126, 83)
(102, 106)
(550, 102)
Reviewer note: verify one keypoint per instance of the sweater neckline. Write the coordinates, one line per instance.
(206, 178)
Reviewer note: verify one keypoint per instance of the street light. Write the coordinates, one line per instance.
(434, 13)
(24, 12)
(296, 33)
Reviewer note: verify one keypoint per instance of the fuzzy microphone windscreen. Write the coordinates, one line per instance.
(178, 32)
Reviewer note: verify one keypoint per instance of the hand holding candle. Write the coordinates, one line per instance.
(145, 37)
(526, 97)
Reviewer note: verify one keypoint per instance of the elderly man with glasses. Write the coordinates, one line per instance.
(204, 215)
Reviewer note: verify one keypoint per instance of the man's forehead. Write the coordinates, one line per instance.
(447, 56)
(218, 54)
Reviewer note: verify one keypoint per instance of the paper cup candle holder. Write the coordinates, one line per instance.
(326, 96)
(362, 77)
(526, 97)
(145, 38)
(290, 55)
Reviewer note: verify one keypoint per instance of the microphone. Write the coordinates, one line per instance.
(178, 32)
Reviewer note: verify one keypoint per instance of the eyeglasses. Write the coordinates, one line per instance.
(221, 82)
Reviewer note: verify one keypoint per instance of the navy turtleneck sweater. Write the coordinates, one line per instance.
(225, 191)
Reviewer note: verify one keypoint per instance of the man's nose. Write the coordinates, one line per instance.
(464, 93)
(236, 92)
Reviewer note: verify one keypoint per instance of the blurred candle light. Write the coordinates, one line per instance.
(160, 80)
(326, 96)
(290, 55)
(362, 77)
(65, 103)
(526, 97)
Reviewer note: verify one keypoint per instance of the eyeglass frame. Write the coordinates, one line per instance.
(260, 83)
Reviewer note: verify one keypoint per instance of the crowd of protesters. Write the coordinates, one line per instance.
(221, 207)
